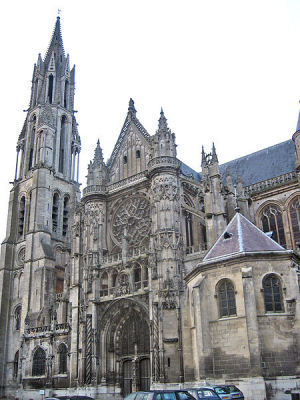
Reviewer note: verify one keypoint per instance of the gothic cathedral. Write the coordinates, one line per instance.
(155, 276)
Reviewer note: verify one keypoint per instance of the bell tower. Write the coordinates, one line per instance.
(44, 193)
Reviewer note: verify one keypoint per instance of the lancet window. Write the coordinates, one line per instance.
(62, 144)
(50, 88)
(21, 216)
(294, 213)
(16, 364)
(137, 273)
(18, 317)
(189, 232)
(39, 362)
(55, 208)
(271, 220)
(226, 297)
(104, 284)
(66, 91)
(65, 216)
(272, 294)
(63, 354)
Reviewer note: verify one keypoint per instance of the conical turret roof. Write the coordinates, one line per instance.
(240, 237)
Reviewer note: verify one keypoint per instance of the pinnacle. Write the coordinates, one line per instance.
(162, 122)
(214, 153)
(98, 157)
(131, 108)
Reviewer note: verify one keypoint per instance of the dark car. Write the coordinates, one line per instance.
(222, 391)
(160, 395)
(235, 392)
(75, 397)
(204, 393)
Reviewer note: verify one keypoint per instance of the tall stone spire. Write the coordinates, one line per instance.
(56, 46)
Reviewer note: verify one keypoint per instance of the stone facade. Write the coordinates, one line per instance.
(117, 290)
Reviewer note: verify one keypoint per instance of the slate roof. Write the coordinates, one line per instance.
(256, 167)
(189, 172)
(242, 237)
(261, 165)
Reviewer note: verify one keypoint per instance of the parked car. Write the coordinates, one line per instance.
(160, 395)
(222, 391)
(235, 392)
(75, 397)
(204, 393)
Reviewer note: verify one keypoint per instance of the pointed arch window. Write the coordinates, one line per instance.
(272, 294)
(66, 92)
(271, 220)
(21, 216)
(63, 358)
(189, 232)
(226, 297)
(18, 311)
(50, 88)
(39, 362)
(16, 364)
(65, 216)
(62, 144)
(137, 276)
(55, 207)
(294, 213)
(104, 284)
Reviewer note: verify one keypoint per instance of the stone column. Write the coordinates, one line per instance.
(251, 322)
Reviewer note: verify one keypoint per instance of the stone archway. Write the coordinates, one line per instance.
(125, 346)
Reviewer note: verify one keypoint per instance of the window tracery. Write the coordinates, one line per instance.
(271, 219)
(294, 213)
(131, 221)
(63, 353)
(39, 362)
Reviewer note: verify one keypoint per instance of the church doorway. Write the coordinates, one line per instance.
(136, 375)
(134, 346)
(126, 346)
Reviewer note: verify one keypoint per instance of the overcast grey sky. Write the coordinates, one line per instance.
(224, 70)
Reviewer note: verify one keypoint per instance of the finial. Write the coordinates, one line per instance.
(58, 12)
(236, 208)
(131, 107)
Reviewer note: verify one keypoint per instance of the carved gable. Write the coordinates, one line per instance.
(131, 153)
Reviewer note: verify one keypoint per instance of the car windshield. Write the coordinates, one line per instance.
(233, 388)
(185, 396)
(204, 393)
(222, 390)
